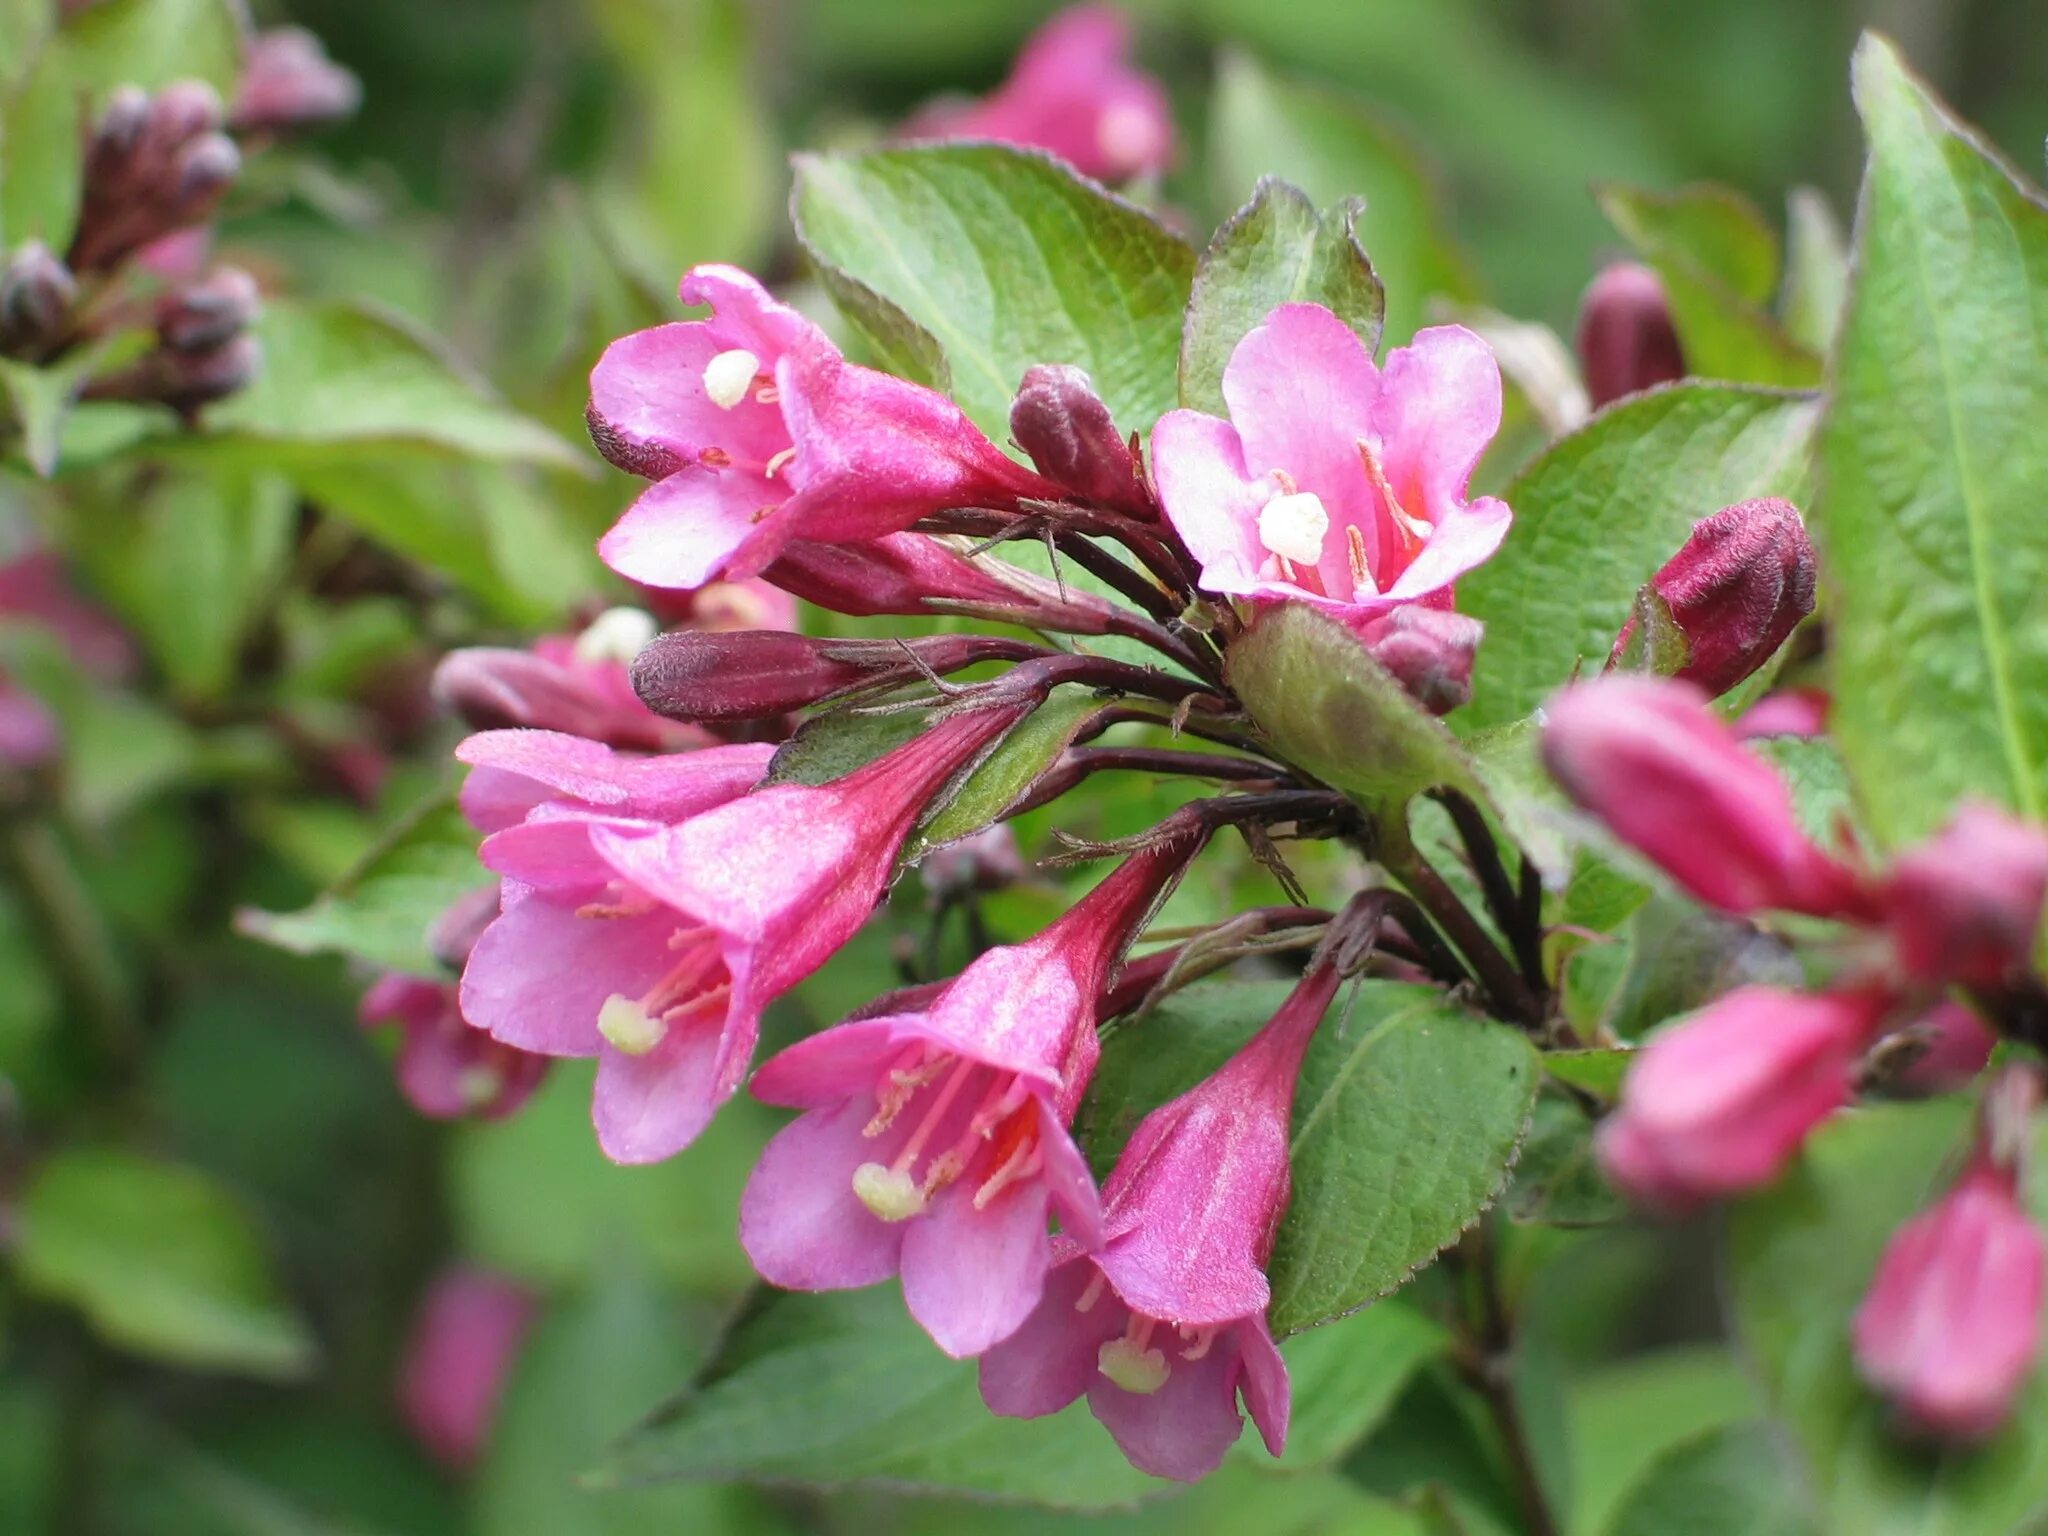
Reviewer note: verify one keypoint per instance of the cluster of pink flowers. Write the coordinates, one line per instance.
(1721, 1101)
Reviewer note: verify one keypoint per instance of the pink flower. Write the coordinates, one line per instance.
(1719, 1102)
(757, 432)
(1957, 1046)
(35, 588)
(1165, 1325)
(1336, 482)
(934, 1142)
(288, 83)
(458, 1359)
(1652, 760)
(29, 733)
(448, 1069)
(1074, 93)
(1736, 590)
(1952, 1322)
(1626, 339)
(580, 685)
(1965, 905)
(1787, 712)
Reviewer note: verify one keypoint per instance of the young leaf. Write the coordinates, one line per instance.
(842, 1390)
(1006, 258)
(1275, 250)
(1816, 271)
(1596, 516)
(1935, 471)
(1731, 1478)
(161, 1260)
(1017, 763)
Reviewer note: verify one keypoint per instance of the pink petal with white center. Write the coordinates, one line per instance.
(539, 974)
(650, 1107)
(685, 531)
(1052, 1358)
(801, 1224)
(971, 1277)
(1183, 1430)
(651, 415)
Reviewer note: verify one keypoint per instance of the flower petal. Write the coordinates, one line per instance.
(971, 1277)
(800, 1221)
(1264, 1383)
(1052, 1358)
(650, 1107)
(1183, 1430)
(539, 974)
(1210, 497)
(650, 414)
(685, 530)
(1439, 408)
(830, 1067)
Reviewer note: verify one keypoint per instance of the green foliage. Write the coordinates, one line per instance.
(162, 1262)
(1005, 259)
(1936, 562)
(1728, 1481)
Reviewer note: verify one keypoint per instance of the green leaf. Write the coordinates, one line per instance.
(1801, 1256)
(1728, 1481)
(1006, 259)
(1600, 512)
(1814, 772)
(42, 397)
(1017, 762)
(1719, 262)
(1682, 956)
(831, 745)
(1935, 471)
(1332, 148)
(1627, 1414)
(1597, 1071)
(843, 1390)
(338, 373)
(382, 910)
(1816, 271)
(1344, 1379)
(151, 43)
(161, 1260)
(592, 1364)
(1319, 696)
(1557, 1181)
(1275, 250)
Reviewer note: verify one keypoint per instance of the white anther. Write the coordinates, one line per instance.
(1293, 526)
(728, 377)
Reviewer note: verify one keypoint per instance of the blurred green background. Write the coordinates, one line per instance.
(528, 178)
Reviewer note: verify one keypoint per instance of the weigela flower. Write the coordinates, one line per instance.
(464, 1342)
(756, 432)
(1951, 1325)
(934, 1142)
(1073, 92)
(1164, 1325)
(1651, 759)
(447, 1068)
(289, 84)
(914, 573)
(1336, 482)
(1965, 905)
(1626, 339)
(1718, 1102)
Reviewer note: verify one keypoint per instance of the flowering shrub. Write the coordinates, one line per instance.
(1108, 830)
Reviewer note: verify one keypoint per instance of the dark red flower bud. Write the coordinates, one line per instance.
(153, 166)
(1429, 651)
(1964, 906)
(203, 315)
(1061, 422)
(289, 84)
(1626, 339)
(1735, 591)
(36, 292)
(117, 133)
(913, 573)
(755, 674)
(203, 171)
(184, 381)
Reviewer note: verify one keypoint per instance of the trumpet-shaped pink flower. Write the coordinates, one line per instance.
(1073, 92)
(1965, 905)
(757, 432)
(1336, 482)
(1719, 1102)
(1165, 1325)
(460, 1355)
(1652, 760)
(934, 1142)
(448, 1068)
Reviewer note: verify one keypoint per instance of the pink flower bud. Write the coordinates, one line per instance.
(1736, 590)
(577, 684)
(1951, 1325)
(201, 316)
(1955, 1045)
(1965, 905)
(183, 110)
(36, 293)
(753, 675)
(1626, 339)
(204, 170)
(1429, 651)
(464, 1342)
(117, 133)
(1061, 422)
(448, 1070)
(912, 574)
(1719, 1102)
(1652, 760)
(289, 84)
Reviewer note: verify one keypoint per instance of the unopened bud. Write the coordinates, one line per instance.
(458, 1359)
(36, 292)
(756, 674)
(184, 381)
(205, 168)
(1965, 905)
(118, 131)
(1061, 422)
(1429, 651)
(155, 165)
(289, 84)
(1649, 757)
(1734, 592)
(208, 313)
(183, 110)
(1626, 339)
(914, 573)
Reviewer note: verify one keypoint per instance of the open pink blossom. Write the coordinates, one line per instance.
(1336, 482)
(458, 1359)
(447, 1068)
(1720, 1101)
(1073, 92)
(756, 431)
(934, 1142)
(1165, 1325)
